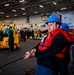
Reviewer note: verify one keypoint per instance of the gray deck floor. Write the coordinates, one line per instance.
(18, 67)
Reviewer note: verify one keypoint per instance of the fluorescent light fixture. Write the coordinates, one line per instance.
(63, 8)
(15, 15)
(7, 16)
(14, 10)
(2, 12)
(54, 3)
(22, 8)
(6, 4)
(24, 14)
(21, 1)
(41, 6)
(36, 12)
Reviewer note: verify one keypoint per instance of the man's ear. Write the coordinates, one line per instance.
(58, 26)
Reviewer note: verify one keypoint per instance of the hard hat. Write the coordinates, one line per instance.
(64, 26)
(6, 27)
(53, 18)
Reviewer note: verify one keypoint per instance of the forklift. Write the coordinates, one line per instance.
(4, 37)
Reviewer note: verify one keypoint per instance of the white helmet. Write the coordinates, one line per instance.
(6, 27)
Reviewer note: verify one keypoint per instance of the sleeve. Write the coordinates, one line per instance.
(8, 32)
(57, 45)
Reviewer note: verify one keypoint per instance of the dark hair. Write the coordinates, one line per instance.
(58, 23)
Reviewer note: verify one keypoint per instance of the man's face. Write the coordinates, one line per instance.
(51, 26)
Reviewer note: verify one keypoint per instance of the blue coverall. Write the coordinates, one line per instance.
(11, 39)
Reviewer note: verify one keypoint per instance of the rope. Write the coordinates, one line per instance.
(11, 62)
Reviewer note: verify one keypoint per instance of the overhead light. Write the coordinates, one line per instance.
(36, 12)
(6, 4)
(7, 16)
(14, 10)
(54, 3)
(15, 15)
(2, 12)
(24, 14)
(22, 8)
(63, 8)
(21, 1)
(41, 6)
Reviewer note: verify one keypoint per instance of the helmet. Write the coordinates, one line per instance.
(6, 27)
(53, 18)
(64, 26)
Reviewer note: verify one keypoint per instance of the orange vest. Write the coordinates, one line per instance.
(47, 41)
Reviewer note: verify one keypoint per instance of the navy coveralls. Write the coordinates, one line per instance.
(11, 40)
